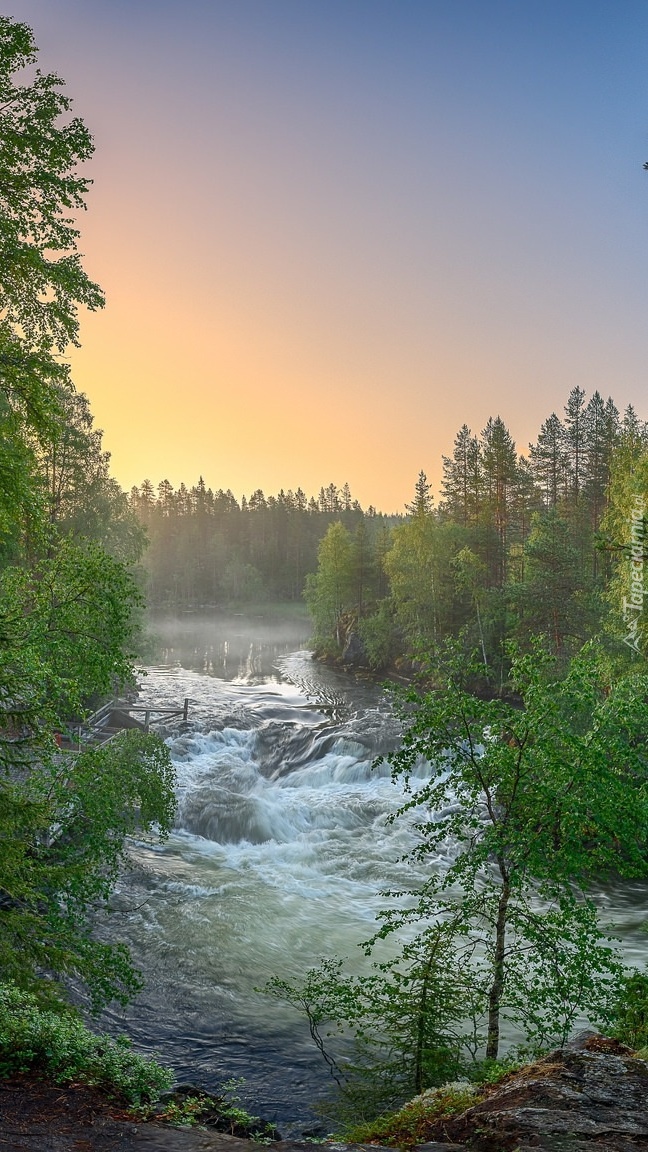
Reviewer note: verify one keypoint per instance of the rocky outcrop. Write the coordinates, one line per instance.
(593, 1095)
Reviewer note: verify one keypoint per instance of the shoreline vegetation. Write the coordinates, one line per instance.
(519, 546)
(525, 582)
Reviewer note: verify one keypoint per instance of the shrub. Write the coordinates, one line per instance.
(57, 1043)
(416, 1121)
(629, 1014)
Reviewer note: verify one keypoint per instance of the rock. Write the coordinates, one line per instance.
(156, 1138)
(593, 1094)
(354, 653)
(214, 1114)
(436, 1147)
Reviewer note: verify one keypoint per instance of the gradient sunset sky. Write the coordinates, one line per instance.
(332, 231)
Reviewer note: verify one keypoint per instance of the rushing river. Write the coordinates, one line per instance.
(279, 856)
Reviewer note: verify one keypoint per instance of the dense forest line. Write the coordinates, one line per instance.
(206, 549)
(518, 545)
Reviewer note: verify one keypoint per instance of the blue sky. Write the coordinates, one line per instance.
(338, 230)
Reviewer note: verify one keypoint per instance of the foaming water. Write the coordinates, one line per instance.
(281, 850)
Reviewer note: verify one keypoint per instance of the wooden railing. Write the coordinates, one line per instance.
(115, 717)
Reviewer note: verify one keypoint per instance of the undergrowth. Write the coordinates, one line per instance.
(55, 1043)
(417, 1121)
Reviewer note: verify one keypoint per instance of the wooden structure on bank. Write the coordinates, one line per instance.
(118, 715)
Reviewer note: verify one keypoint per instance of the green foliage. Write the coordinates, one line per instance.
(550, 598)
(64, 634)
(329, 592)
(56, 1044)
(42, 281)
(81, 498)
(623, 537)
(67, 607)
(377, 635)
(223, 1113)
(532, 803)
(203, 541)
(494, 1071)
(401, 1020)
(628, 1017)
(71, 614)
(63, 829)
(417, 1121)
(182, 1114)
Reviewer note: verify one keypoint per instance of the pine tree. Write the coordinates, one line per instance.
(463, 480)
(575, 444)
(423, 502)
(548, 459)
(500, 471)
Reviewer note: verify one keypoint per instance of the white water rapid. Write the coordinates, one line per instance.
(279, 856)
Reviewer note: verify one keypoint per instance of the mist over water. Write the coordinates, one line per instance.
(280, 852)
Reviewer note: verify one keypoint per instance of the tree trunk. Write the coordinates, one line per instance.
(421, 1022)
(481, 633)
(497, 987)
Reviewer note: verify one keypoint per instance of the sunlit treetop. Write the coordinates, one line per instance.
(42, 282)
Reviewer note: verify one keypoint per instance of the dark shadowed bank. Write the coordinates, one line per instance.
(593, 1094)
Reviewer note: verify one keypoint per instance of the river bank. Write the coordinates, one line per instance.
(590, 1095)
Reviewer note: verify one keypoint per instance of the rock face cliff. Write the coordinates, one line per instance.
(593, 1095)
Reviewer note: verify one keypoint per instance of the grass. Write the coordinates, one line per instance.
(417, 1121)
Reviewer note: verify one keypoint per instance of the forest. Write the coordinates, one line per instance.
(519, 545)
(527, 578)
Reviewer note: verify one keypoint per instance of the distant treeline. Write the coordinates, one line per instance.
(519, 545)
(208, 549)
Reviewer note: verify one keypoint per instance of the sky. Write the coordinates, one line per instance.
(330, 232)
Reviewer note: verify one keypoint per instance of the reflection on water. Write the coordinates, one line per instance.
(231, 645)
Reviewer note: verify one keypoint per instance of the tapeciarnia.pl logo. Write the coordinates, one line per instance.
(633, 604)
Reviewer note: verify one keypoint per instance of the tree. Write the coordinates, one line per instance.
(402, 1018)
(548, 460)
(42, 281)
(500, 471)
(63, 832)
(329, 592)
(64, 631)
(66, 608)
(547, 598)
(575, 444)
(463, 479)
(530, 804)
(81, 498)
(624, 537)
(74, 611)
(422, 503)
(470, 575)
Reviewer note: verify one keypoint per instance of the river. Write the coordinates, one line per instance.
(280, 852)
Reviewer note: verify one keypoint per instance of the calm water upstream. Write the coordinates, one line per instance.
(279, 856)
